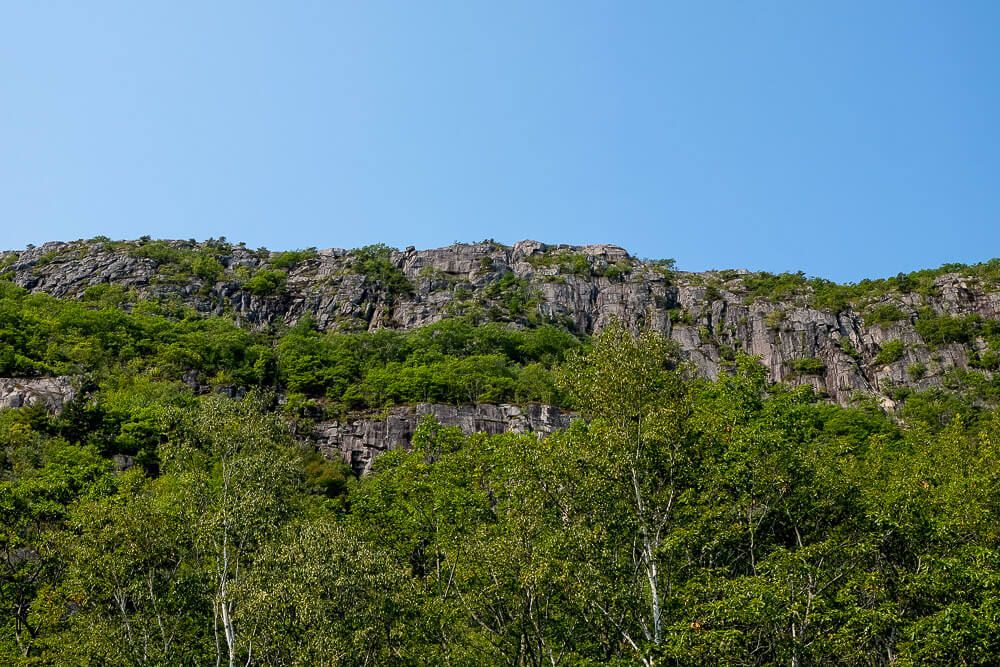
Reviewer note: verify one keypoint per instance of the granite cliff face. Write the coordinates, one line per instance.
(361, 439)
(710, 315)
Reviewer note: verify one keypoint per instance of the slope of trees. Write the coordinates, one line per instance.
(679, 522)
(453, 361)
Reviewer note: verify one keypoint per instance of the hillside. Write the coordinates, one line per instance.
(482, 325)
(482, 455)
(880, 337)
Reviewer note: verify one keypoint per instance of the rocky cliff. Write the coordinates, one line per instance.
(840, 349)
(361, 439)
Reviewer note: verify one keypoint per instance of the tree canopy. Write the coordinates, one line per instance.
(678, 521)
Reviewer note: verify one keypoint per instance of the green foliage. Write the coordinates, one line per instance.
(288, 260)
(827, 295)
(322, 594)
(179, 568)
(884, 313)
(160, 252)
(773, 287)
(787, 527)
(180, 262)
(266, 282)
(679, 315)
(107, 295)
(678, 521)
(890, 352)
(515, 300)
(618, 270)
(452, 361)
(206, 267)
(942, 329)
(43, 335)
(40, 478)
(808, 366)
(830, 296)
(684, 522)
(988, 360)
(47, 258)
(847, 347)
(665, 267)
(575, 263)
(916, 370)
(774, 318)
(934, 409)
(374, 262)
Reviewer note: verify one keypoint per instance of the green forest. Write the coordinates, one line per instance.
(678, 521)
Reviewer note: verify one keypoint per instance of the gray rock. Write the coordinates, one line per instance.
(358, 441)
(708, 323)
(52, 393)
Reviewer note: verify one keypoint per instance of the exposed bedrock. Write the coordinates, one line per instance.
(359, 440)
(710, 315)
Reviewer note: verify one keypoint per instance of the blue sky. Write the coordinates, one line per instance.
(845, 139)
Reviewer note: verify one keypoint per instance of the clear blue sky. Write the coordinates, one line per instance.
(845, 139)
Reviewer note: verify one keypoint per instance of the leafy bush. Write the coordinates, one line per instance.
(891, 351)
(576, 263)
(292, 258)
(160, 252)
(43, 335)
(773, 287)
(884, 313)
(617, 270)
(847, 347)
(827, 295)
(47, 258)
(266, 282)
(808, 366)
(180, 262)
(988, 360)
(943, 329)
(374, 262)
(515, 295)
(667, 267)
(452, 361)
(206, 267)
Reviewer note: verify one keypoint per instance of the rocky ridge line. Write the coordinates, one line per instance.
(582, 287)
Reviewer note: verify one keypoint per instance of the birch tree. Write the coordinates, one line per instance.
(132, 580)
(244, 478)
(635, 394)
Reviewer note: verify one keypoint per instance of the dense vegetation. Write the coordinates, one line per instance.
(455, 360)
(678, 522)
(866, 295)
(682, 522)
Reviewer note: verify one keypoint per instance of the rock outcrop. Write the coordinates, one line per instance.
(358, 441)
(711, 315)
(52, 393)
